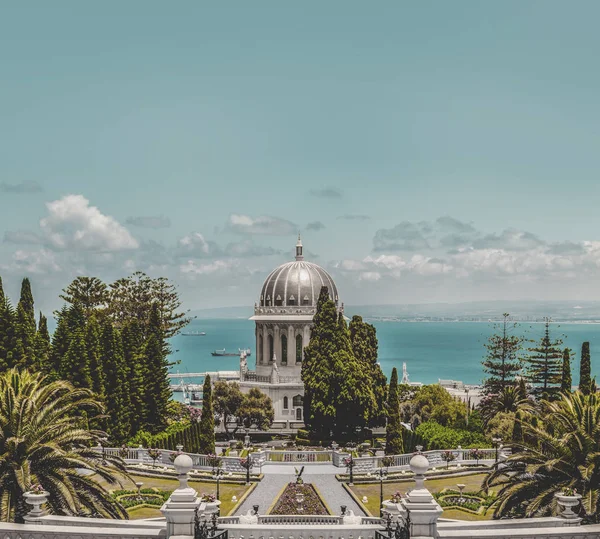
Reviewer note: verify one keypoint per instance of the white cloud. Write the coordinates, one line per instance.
(39, 262)
(149, 221)
(73, 224)
(262, 225)
(217, 266)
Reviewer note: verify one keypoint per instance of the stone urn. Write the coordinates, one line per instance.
(212, 507)
(36, 500)
(568, 502)
(392, 508)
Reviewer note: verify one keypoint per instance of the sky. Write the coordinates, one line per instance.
(427, 151)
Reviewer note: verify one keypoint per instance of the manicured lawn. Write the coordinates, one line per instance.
(203, 487)
(371, 491)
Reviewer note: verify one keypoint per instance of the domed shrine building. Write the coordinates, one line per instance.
(283, 317)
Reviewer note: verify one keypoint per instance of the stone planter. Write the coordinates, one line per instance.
(212, 507)
(568, 503)
(36, 501)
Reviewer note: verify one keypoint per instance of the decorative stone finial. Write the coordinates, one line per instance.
(183, 465)
(299, 255)
(419, 465)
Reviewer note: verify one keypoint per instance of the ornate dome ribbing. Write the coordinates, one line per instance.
(296, 283)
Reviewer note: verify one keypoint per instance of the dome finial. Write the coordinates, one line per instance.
(299, 255)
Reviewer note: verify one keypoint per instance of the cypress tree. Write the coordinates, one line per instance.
(393, 433)
(26, 300)
(544, 365)
(158, 389)
(207, 421)
(42, 340)
(501, 363)
(25, 345)
(364, 346)
(338, 397)
(116, 388)
(585, 368)
(566, 382)
(7, 331)
(92, 341)
(75, 364)
(60, 344)
(134, 360)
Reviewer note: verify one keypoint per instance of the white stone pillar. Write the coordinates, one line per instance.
(180, 509)
(291, 337)
(422, 508)
(265, 338)
(277, 343)
(305, 339)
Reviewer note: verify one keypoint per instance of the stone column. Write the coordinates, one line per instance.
(180, 509)
(422, 508)
(291, 359)
(305, 339)
(265, 340)
(276, 343)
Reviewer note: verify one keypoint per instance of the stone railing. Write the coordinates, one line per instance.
(302, 531)
(280, 309)
(362, 465)
(35, 531)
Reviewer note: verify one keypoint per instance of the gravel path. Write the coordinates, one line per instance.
(276, 477)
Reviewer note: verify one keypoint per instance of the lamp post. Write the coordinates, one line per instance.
(381, 473)
(496, 442)
(349, 462)
(217, 473)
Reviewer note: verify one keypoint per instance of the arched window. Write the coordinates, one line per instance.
(298, 414)
(270, 347)
(291, 300)
(285, 403)
(298, 400)
(278, 300)
(284, 349)
(259, 346)
(298, 348)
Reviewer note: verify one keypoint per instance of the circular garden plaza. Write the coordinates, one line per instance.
(313, 443)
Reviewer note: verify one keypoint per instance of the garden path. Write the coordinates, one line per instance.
(276, 477)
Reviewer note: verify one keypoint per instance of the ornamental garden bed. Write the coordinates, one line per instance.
(287, 503)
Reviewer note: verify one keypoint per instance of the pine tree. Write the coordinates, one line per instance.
(544, 366)
(364, 347)
(338, 397)
(92, 341)
(134, 360)
(207, 421)
(585, 368)
(25, 346)
(7, 332)
(42, 340)
(393, 433)
(75, 365)
(26, 300)
(116, 389)
(566, 382)
(90, 293)
(502, 360)
(60, 344)
(158, 389)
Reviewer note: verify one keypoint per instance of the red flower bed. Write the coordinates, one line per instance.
(287, 504)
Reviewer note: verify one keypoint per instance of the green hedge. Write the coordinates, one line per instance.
(436, 436)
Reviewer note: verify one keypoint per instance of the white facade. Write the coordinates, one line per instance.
(283, 317)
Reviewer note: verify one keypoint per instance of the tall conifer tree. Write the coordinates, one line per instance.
(25, 345)
(60, 344)
(92, 342)
(116, 389)
(502, 362)
(26, 300)
(364, 346)
(158, 389)
(585, 370)
(394, 444)
(566, 381)
(42, 343)
(206, 443)
(75, 365)
(544, 365)
(7, 331)
(134, 360)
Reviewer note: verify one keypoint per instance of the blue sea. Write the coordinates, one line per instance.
(431, 350)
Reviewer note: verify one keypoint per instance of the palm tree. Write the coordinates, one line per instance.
(44, 440)
(508, 400)
(561, 450)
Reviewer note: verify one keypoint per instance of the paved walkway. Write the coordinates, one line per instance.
(320, 475)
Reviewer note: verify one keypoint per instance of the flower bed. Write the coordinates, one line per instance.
(147, 496)
(287, 503)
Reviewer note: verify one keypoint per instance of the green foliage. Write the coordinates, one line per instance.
(364, 346)
(227, 398)
(559, 451)
(338, 397)
(75, 364)
(42, 342)
(133, 345)
(432, 403)
(544, 365)
(502, 362)
(7, 331)
(585, 369)
(566, 381)
(394, 442)
(256, 410)
(92, 341)
(207, 421)
(54, 452)
(115, 373)
(88, 292)
(437, 436)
